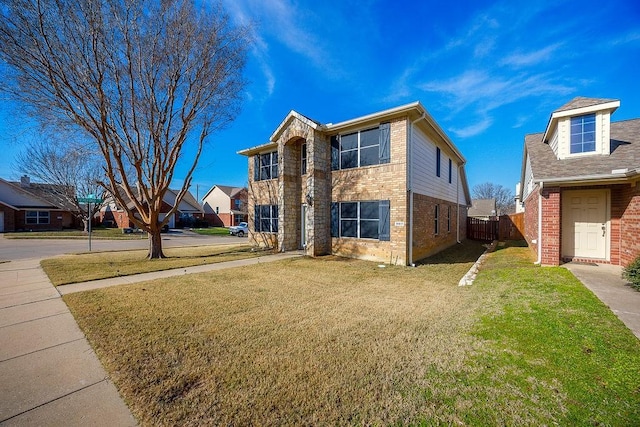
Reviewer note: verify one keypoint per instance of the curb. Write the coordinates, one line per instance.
(469, 278)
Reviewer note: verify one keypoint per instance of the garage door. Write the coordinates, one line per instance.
(585, 224)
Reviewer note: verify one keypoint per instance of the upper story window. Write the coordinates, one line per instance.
(265, 166)
(450, 171)
(303, 159)
(583, 134)
(363, 148)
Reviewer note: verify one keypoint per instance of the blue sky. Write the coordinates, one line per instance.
(488, 72)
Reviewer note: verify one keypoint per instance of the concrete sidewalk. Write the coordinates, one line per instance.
(49, 374)
(135, 278)
(606, 282)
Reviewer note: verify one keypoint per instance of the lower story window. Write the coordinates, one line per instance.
(364, 220)
(37, 217)
(266, 218)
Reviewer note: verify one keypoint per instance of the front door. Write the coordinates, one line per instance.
(585, 224)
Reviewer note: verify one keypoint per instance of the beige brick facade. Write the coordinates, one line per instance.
(316, 190)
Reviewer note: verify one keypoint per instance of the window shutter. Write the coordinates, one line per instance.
(385, 142)
(335, 152)
(384, 226)
(256, 167)
(335, 219)
(256, 218)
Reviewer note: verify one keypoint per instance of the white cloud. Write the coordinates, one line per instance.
(531, 58)
(474, 129)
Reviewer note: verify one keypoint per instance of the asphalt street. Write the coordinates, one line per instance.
(19, 249)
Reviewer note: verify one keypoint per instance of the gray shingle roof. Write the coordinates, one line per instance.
(581, 102)
(482, 207)
(625, 153)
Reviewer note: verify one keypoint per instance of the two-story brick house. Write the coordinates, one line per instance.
(389, 186)
(580, 185)
(225, 206)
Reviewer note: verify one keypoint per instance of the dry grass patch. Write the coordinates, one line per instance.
(101, 265)
(295, 342)
(343, 342)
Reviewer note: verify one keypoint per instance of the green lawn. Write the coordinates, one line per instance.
(212, 231)
(341, 342)
(98, 233)
(67, 269)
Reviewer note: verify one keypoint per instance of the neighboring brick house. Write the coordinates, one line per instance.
(26, 205)
(389, 187)
(112, 215)
(580, 185)
(225, 206)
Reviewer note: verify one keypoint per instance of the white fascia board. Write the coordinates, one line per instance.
(553, 121)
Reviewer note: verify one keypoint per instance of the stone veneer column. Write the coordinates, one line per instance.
(319, 189)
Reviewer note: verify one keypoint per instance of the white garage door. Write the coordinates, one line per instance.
(585, 224)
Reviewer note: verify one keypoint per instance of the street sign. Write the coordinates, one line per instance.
(89, 200)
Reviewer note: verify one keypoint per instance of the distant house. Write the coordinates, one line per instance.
(389, 186)
(113, 215)
(483, 209)
(225, 206)
(581, 185)
(26, 205)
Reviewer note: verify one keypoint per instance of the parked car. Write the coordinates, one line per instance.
(240, 230)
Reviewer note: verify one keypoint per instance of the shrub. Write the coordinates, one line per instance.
(632, 273)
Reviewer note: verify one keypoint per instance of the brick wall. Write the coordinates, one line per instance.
(626, 205)
(56, 222)
(426, 241)
(377, 182)
(9, 218)
(531, 219)
(551, 223)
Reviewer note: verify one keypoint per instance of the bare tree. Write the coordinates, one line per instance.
(505, 201)
(143, 78)
(71, 170)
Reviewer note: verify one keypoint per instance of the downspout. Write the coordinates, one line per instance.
(539, 261)
(458, 204)
(410, 187)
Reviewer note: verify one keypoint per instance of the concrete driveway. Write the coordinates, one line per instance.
(17, 249)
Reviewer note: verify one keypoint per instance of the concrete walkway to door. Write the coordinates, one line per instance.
(606, 282)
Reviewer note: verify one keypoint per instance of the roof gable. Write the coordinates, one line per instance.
(623, 160)
(35, 196)
(583, 102)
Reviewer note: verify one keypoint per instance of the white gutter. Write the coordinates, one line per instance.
(410, 186)
(539, 261)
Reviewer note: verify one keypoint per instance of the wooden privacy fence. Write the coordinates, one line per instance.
(506, 227)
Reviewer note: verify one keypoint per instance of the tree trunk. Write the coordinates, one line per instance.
(155, 244)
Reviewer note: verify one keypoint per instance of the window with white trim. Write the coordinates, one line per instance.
(583, 134)
(265, 166)
(362, 148)
(362, 220)
(37, 217)
(265, 219)
(438, 155)
(450, 171)
(303, 159)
